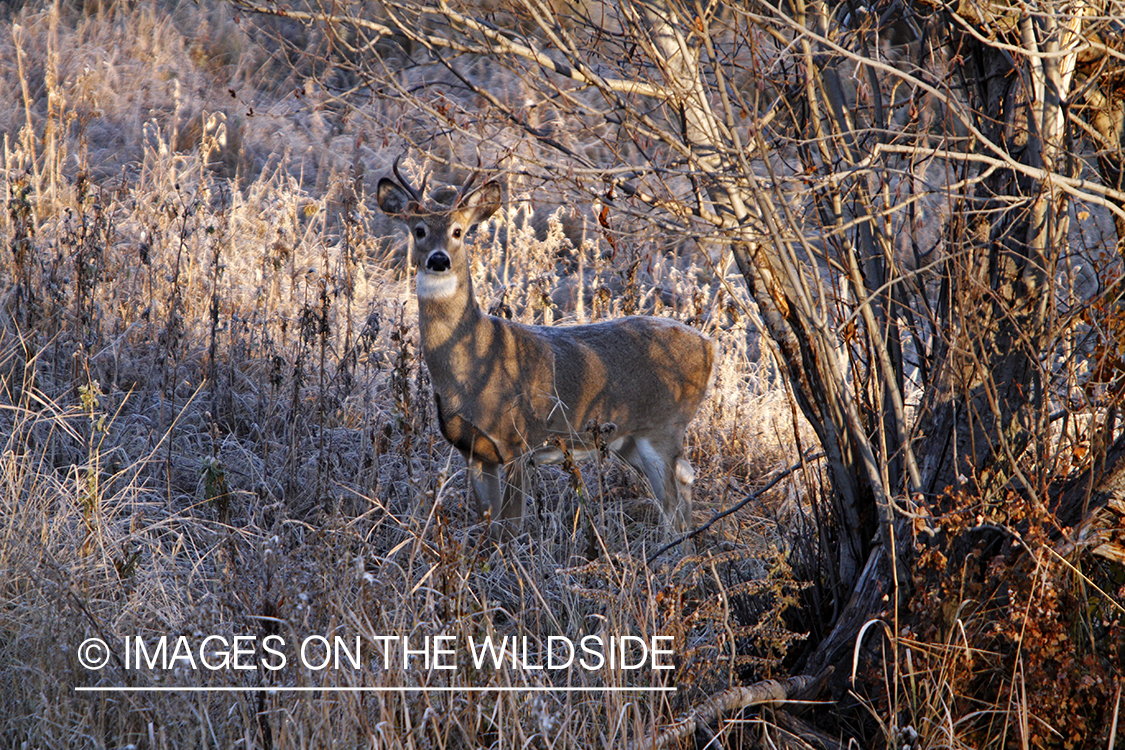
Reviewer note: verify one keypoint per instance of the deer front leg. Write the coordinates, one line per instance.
(500, 491)
(487, 481)
(515, 491)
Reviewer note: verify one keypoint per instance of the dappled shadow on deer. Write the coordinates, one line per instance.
(510, 396)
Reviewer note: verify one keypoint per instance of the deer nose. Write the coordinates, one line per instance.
(438, 262)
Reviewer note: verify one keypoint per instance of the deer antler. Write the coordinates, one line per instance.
(468, 183)
(415, 194)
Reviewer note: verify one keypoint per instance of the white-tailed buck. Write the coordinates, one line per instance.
(508, 393)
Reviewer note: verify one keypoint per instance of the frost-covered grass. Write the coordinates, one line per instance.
(214, 421)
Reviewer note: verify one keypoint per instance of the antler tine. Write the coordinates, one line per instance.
(406, 184)
(468, 183)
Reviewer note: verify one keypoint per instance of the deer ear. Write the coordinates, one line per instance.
(392, 199)
(482, 202)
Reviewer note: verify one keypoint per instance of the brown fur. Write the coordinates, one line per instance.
(507, 392)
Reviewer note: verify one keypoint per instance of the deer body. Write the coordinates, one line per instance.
(507, 393)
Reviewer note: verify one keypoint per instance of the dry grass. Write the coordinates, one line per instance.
(214, 421)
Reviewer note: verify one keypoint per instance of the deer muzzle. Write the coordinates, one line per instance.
(438, 261)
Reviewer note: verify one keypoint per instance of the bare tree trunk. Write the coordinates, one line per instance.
(991, 403)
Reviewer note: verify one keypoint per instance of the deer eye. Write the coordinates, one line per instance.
(420, 231)
(456, 233)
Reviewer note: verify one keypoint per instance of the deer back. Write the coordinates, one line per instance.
(639, 373)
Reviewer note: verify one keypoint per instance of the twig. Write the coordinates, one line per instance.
(719, 516)
(767, 691)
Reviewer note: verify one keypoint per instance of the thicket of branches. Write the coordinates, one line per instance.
(923, 200)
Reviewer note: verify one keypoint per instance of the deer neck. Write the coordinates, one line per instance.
(451, 324)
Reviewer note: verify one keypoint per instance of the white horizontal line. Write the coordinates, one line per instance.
(305, 689)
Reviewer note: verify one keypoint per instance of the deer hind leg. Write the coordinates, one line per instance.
(669, 476)
(684, 479)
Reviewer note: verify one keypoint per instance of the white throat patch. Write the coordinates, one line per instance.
(436, 286)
